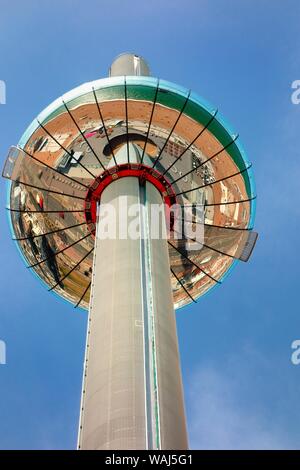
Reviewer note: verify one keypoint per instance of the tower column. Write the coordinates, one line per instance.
(132, 391)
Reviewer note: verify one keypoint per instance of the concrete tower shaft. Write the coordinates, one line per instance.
(132, 392)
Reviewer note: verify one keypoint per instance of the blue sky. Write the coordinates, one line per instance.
(241, 389)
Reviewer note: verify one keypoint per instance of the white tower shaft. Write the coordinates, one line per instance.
(132, 392)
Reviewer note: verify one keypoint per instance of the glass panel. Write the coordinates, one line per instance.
(76, 141)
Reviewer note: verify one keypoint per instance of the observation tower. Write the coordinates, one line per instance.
(127, 144)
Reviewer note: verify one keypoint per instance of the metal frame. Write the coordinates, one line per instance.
(150, 121)
(49, 233)
(182, 219)
(183, 287)
(214, 182)
(43, 211)
(193, 141)
(192, 262)
(81, 298)
(103, 125)
(64, 149)
(58, 252)
(210, 158)
(54, 169)
(229, 202)
(74, 267)
(45, 189)
(210, 248)
(126, 117)
(82, 134)
(172, 130)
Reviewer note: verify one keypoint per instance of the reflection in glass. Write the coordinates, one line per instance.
(77, 139)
